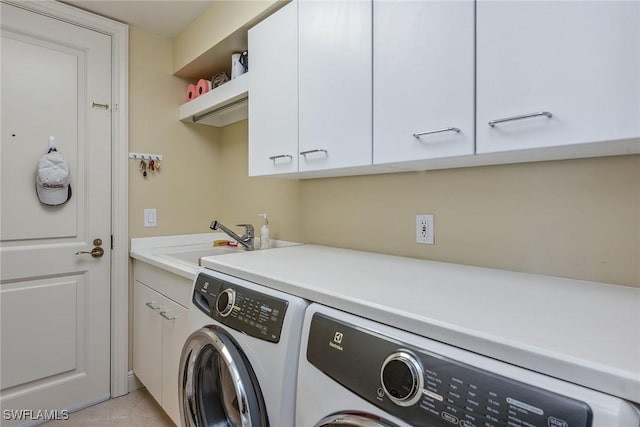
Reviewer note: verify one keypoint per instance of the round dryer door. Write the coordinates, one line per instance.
(353, 420)
(217, 386)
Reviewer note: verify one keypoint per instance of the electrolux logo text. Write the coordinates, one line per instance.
(34, 415)
(337, 340)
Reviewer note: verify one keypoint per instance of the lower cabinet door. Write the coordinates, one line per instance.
(147, 338)
(174, 335)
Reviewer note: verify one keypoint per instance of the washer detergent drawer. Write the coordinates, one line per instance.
(424, 388)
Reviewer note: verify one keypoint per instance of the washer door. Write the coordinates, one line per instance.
(217, 386)
(353, 420)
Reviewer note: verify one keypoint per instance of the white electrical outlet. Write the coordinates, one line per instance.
(150, 218)
(424, 229)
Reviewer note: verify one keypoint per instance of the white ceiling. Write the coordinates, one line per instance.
(164, 17)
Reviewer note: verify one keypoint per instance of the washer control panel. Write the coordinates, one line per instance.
(253, 313)
(424, 388)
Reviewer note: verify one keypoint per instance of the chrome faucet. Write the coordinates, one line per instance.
(245, 240)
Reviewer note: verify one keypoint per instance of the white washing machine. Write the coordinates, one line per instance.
(355, 372)
(238, 367)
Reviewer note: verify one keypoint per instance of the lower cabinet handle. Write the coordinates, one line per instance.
(152, 306)
(546, 114)
(280, 156)
(317, 150)
(167, 316)
(417, 135)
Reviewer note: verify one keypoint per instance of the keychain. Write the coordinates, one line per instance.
(152, 165)
(143, 167)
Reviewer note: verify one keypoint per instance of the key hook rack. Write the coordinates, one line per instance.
(145, 156)
(148, 161)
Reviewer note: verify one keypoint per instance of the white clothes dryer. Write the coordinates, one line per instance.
(359, 373)
(238, 367)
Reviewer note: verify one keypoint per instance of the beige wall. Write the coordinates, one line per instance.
(185, 191)
(218, 26)
(244, 197)
(575, 218)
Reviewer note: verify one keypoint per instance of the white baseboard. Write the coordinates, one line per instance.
(134, 382)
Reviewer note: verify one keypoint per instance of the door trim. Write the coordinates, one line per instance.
(120, 263)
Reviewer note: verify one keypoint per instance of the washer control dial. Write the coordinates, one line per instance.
(402, 378)
(225, 302)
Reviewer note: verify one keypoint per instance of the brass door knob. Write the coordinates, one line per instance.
(96, 252)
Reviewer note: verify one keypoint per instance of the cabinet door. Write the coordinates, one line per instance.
(423, 79)
(147, 338)
(579, 61)
(334, 84)
(174, 335)
(273, 94)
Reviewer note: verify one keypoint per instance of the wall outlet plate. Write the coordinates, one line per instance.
(424, 229)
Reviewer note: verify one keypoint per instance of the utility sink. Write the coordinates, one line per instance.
(193, 254)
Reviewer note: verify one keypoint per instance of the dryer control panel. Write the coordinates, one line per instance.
(253, 313)
(427, 389)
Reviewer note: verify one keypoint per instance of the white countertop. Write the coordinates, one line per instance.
(154, 250)
(166, 252)
(583, 332)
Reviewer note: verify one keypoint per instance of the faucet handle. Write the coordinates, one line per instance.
(248, 229)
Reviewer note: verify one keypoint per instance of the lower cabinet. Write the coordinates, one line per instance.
(160, 329)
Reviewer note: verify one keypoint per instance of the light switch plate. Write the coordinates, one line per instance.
(150, 218)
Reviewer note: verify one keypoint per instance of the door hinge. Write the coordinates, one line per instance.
(112, 242)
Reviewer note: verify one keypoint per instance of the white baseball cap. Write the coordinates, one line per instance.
(53, 179)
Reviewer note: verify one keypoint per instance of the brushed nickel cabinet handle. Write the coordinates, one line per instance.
(317, 150)
(281, 156)
(417, 135)
(166, 316)
(152, 305)
(546, 114)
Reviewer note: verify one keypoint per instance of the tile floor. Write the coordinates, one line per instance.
(136, 409)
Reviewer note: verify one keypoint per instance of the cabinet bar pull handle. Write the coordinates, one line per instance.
(547, 114)
(417, 135)
(317, 150)
(152, 306)
(281, 156)
(166, 316)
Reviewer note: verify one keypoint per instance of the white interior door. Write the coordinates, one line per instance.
(54, 304)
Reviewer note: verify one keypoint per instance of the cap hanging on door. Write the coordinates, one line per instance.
(53, 177)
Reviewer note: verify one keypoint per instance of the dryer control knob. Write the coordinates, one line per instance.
(225, 302)
(402, 378)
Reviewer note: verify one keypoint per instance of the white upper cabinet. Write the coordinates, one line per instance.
(552, 73)
(273, 89)
(423, 79)
(334, 84)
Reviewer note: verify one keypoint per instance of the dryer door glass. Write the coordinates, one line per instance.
(218, 388)
(354, 420)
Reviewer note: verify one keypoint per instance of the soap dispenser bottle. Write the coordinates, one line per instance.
(264, 233)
